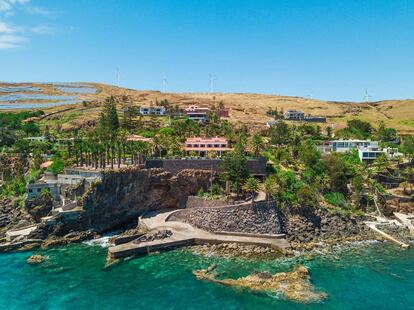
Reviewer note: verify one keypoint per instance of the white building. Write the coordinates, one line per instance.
(369, 154)
(158, 110)
(294, 115)
(342, 146)
(34, 189)
(197, 114)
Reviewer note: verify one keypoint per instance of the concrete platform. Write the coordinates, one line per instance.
(407, 220)
(21, 232)
(186, 235)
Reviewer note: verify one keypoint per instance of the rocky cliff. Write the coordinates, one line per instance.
(125, 194)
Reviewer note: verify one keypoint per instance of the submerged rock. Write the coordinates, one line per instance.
(295, 285)
(235, 250)
(36, 259)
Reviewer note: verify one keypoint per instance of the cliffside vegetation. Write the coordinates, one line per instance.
(298, 174)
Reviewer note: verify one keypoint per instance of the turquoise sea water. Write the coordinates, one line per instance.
(74, 278)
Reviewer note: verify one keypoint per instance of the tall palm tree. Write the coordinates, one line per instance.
(257, 144)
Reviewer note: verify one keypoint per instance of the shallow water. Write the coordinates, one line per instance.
(74, 278)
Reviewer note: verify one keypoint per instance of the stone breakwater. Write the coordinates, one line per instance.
(301, 225)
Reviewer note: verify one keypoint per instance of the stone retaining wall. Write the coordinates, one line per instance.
(200, 202)
(256, 166)
(259, 218)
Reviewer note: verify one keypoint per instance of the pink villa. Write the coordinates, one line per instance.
(202, 146)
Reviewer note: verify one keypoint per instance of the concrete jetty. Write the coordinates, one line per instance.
(185, 234)
(407, 220)
(13, 234)
(373, 226)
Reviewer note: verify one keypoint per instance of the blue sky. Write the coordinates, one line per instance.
(330, 50)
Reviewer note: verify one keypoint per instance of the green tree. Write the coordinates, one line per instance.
(257, 144)
(279, 134)
(270, 187)
(329, 131)
(306, 196)
(408, 147)
(252, 186)
(109, 121)
(234, 167)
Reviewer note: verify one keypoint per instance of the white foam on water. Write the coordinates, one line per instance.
(103, 242)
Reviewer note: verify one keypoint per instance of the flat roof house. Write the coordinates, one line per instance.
(197, 114)
(34, 189)
(342, 146)
(294, 115)
(369, 154)
(202, 146)
(158, 110)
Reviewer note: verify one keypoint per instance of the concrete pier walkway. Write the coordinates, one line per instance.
(407, 220)
(185, 234)
(381, 220)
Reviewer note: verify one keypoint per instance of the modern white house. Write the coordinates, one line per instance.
(158, 110)
(53, 184)
(197, 114)
(367, 154)
(294, 115)
(342, 146)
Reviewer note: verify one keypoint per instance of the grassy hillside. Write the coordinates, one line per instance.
(246, 108)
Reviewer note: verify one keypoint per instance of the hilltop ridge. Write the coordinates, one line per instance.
(248, 108)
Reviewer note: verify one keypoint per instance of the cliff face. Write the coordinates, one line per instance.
(124, 195)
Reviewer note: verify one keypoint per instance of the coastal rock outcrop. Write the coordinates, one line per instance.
(36, 259)
(295, 285)
(39, 206)
(12, 215)
(125, 194)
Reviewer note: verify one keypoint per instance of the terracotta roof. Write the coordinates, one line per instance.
(212, 148)
(206, 140)
(46, 164)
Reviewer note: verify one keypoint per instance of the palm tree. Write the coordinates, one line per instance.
(257, 144)
(270, 187)
(252, 186)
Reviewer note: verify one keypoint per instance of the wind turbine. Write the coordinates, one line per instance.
(211, 80)
(118, 76)
(164, 83)
(366, 96)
